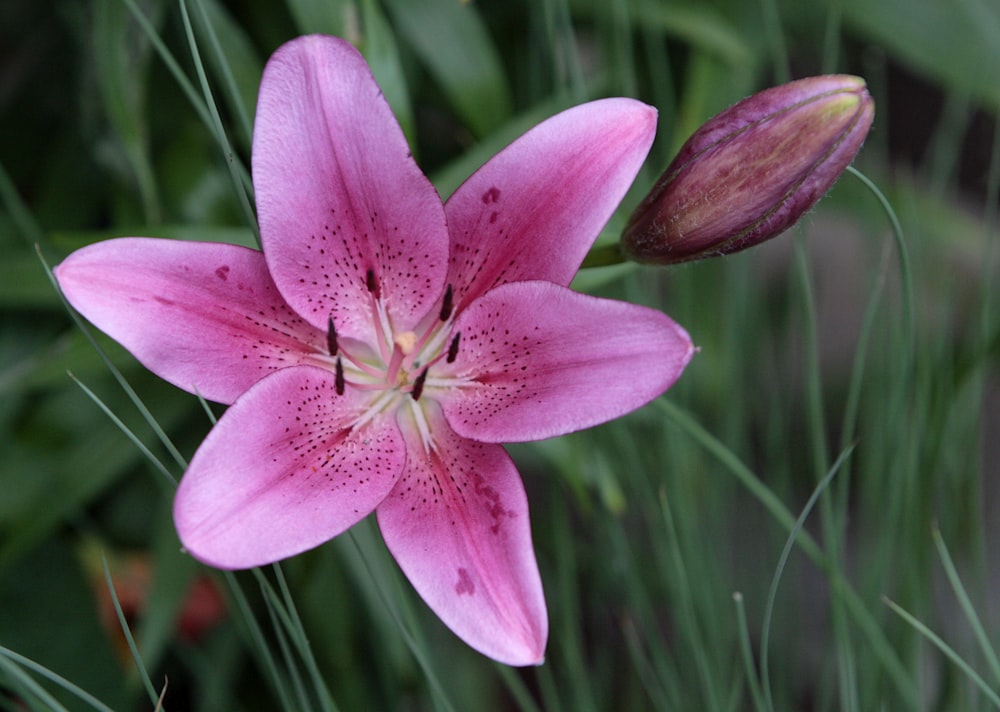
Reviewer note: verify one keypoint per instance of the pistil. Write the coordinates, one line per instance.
(392, 369)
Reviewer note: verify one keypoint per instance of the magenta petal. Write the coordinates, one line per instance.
(541, 360)
(457, 523)
(534, 210)
(338, 193)
(204, 316)
(286, 468)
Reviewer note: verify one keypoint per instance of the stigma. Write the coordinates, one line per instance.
(406, 341)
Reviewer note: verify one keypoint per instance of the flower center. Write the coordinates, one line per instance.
(394, 363)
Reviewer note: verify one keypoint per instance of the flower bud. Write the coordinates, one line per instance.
(752, 171)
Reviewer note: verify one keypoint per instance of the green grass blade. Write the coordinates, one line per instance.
(746, 654)
(241, 182)
(258, 645)
(15, 206)
(238, 97)
(167, 57)
(30, 686)
(772, 593)
(776, 41)
(140, 666)
(644, 667)
(871, 630)
(122, 74)
(939, 643)
(75, 690)
(133, 438)
(298, 633)
(117, 374)
(688, 618)
(982, 637)
(517, 689)
(905, 271)
(279, 626)
(241, 177)
(458, 51)
(831, 36)
(419, 652)
(832, 524)
(746, 477)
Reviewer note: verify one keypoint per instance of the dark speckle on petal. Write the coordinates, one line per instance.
(491, 196)
(465, 584)
(222, 272)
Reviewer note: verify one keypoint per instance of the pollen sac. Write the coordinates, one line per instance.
(453, 348)
(331, 337)
(751, 172)
(339, 382)
(418, 385)
(371, 283)
(447, 304)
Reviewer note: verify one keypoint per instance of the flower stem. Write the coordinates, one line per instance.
(604, 255)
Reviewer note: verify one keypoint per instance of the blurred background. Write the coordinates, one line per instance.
(847, 373)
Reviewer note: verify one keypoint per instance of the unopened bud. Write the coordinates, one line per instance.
(752, 171)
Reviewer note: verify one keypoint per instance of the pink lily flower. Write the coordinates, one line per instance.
(383, 344)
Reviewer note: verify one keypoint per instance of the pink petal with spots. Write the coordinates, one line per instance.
(541, 360)
(534, 210)
(457, 523)
(285, 469)
(204, 316)
(338, 192)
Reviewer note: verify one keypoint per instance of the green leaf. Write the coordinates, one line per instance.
(23, 283)
(702, 27)
(64, 455)
(121, 54)
(452, 41)
(956, 43)
(234, 62)
(327, 17)
(50, 616)
(378, 44)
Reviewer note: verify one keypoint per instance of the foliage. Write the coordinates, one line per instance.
(843, 366)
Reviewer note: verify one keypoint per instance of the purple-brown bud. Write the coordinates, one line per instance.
(752, 171)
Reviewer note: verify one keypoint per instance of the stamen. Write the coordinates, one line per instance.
(453, 348)
(339, 379)
(447, 305)
(331, 337)
(420, 420)
(418, 385)
(371, 283)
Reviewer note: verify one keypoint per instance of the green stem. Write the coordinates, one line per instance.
(604, 256)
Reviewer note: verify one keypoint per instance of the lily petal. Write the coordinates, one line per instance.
(540, 360)
(457, 524)
(285, 469)
(534, 210)
(338, 193)
(203, 316)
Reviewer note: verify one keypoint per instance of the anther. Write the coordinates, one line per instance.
(331, 337)
(418, 385)
(370, 282)
(447, 305)
(453, 348)
(339, 381)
